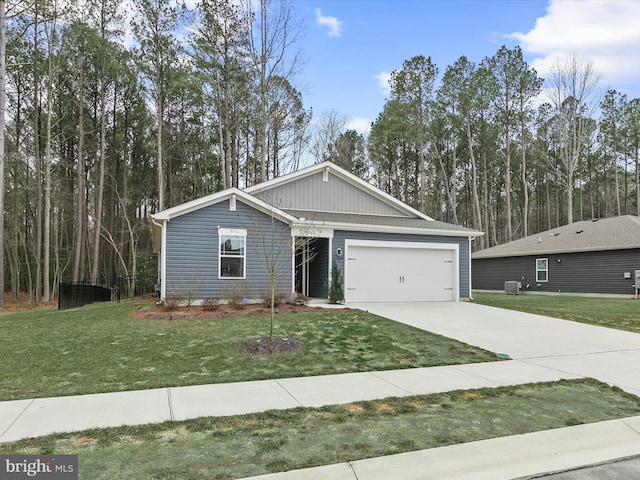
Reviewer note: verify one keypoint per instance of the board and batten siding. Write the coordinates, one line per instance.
(192, 253)
(581, 272)
(339, 238)
(335, 195)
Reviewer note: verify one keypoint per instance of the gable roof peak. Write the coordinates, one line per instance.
(330, 167)
(233, 192)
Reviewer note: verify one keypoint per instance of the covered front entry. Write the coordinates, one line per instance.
(379, 271)
(312, 267)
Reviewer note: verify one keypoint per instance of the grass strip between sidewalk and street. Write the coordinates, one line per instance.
(275, 441)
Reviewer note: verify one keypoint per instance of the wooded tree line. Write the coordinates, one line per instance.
(103, 129)
(493, 146)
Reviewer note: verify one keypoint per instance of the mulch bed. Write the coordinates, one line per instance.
(254, 346)
(156, 312)
(277, 345)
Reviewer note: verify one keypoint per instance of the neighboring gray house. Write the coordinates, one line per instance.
(223, 244)
(594, 256)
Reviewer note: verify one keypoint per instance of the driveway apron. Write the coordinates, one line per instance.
(609, 355)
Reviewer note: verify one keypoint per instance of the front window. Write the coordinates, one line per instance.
(232, 252)
(542, 270)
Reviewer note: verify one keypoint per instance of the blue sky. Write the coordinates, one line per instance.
(351, 46)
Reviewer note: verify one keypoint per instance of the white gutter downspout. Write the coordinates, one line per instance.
(470, 291)
(162, 267)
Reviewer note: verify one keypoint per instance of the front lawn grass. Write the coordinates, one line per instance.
(620, 313)
(101, 348)
(239, 446)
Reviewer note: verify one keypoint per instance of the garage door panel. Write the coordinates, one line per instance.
(365, 281)
(387, 272)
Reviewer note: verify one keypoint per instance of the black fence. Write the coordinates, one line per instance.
(77, 294)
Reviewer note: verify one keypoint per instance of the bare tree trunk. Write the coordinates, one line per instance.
(37, 158)
(485, 194)
(159, 134)
(637, 184)
(263, 90)
(423, 180)
(46, 287)
(507, 190)
(100, 187)
(3, 80)
(474, 183)
(272, 58)
(572, 93)
(46, 271)
(626, 184)
(548, 192)
(447, 189)
(525, 186)
(615, 171)
(81, 197)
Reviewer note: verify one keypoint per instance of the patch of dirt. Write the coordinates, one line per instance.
(354, 408)
(382, 407)
(81, 441)
(470, 396)
(23, 302)
(277, 345)
(156, 312)
(254, 346)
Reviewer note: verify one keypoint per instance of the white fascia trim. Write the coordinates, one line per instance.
(214, 198)
(238, 232)
(344, 175)
(198, 203)
(286, 178)
(356, 227)
(351, 242)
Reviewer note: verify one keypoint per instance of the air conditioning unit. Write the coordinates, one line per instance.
(512, 287)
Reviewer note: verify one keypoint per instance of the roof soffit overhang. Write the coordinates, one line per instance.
(303, 224)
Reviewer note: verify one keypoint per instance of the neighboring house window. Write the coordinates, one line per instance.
(232, 252)
(542, 270)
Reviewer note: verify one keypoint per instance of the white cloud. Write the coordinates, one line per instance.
(603, 31)
(384, 79)
(332, 23)
(360, 125)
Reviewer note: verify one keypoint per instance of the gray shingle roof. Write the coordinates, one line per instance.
(605, 234)
(380, 220)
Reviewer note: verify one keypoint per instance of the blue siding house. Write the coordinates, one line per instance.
(292, 228)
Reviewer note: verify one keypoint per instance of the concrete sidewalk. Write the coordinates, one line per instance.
(36, 417)
(544, 349)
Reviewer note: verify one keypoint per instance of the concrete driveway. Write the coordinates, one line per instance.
(612, 356)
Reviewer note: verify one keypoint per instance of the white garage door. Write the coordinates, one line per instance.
(400, 272)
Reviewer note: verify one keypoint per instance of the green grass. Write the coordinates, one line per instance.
(101, 348)
(232, 447)
(620, 313)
